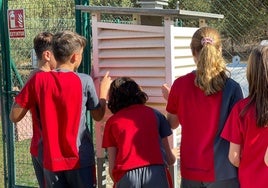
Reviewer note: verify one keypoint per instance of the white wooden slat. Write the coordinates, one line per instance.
(182, 52)
(132, 43)
(120, 35)
(153, 91)
(183, 61)
(133, 72)
(132, 62)
(130, 27)
(114, 34)
(137, 52)
(184, 31)
(150, 82)
(181, 41)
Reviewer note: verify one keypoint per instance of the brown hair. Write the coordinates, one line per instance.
(42, 42)
(211, 67)
(257, 76)
(65, 43)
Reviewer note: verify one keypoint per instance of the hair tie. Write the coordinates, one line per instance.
(206, 40)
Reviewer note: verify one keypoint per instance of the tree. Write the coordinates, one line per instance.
(244, 25)
(116, 3)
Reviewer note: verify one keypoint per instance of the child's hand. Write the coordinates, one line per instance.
(176, 152)
(105, 85)
(165, 91)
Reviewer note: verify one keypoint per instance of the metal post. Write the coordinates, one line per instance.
(83, 27)
(6, 98)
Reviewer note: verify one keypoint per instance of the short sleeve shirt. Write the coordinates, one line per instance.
(135, 133)
(241, 129)
(204, 154)
(62, 98)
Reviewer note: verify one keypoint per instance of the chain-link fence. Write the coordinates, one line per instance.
(39, 16)
(244, 26)
(42, 16)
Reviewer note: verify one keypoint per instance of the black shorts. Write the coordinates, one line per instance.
(82, 178)
(38, 169)
(146, 177)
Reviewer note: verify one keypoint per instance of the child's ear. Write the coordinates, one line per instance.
(74, 58)
(46, 55)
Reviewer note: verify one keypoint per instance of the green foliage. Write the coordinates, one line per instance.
(42, 15)
(25, 174)
(24, 170)
(195, 5)
(244, 24)
(172, 4)
(115, 3)
(192, 5)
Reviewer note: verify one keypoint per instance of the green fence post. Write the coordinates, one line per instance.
(17, 74)
(83, 27)
(6, 98)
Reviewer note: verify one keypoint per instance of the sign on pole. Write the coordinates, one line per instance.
(16, 23)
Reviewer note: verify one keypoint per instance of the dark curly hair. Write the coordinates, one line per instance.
(125, 92)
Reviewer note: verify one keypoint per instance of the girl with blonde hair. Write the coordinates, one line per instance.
(200, 103)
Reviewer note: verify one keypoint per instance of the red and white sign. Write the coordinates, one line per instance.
(16, 23)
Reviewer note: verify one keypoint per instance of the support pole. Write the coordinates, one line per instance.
(6, 98)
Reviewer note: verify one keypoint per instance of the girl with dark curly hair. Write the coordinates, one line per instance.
(136, 138)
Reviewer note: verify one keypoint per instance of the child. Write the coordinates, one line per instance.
(247, 125)
(200, 102)
(46, 62)
(43, 50)
(62, 98)
(136, 138)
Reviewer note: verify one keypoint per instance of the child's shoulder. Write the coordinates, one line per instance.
(231, 82)
(84, 76)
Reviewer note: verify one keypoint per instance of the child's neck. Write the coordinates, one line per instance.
(44, 66)
(66, 66)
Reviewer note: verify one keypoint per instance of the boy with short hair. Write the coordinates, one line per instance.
(43, 50)
(62, 98)
(46, 62)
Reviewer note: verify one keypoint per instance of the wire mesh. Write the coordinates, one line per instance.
(40, 16)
